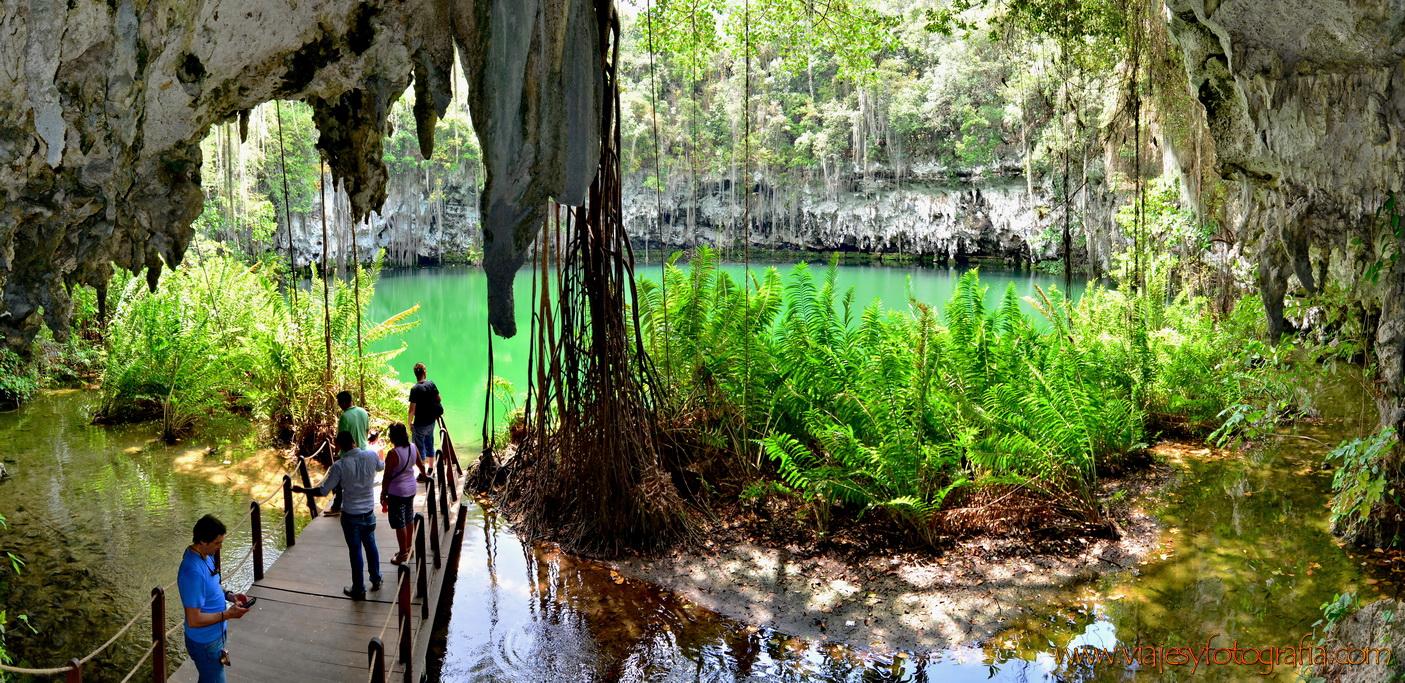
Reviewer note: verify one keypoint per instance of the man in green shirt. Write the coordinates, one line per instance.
(355, 421)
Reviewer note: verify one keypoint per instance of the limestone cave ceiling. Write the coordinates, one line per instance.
(103, 104)
(1305, 101)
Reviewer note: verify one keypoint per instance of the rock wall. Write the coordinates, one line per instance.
(413, 226)
(930, 215)
(103, 104)
(1306, 106)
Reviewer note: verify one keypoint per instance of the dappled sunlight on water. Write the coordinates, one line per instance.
(101, 515)
(1246, 558)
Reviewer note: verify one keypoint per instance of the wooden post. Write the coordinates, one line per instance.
(434, 538)
(447, 452)
(376, 654)
(429, 495)
(289, 533)
(405, 620)
(307, 484)
(75, 671)
(443, 496)
(256, 528)
(421, 565)
(158, 635)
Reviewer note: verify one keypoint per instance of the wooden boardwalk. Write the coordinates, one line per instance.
(303, 629)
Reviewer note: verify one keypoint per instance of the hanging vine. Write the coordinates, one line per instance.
(589, 472)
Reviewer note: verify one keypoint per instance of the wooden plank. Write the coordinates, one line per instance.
(304, 629)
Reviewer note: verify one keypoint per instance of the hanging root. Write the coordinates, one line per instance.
(589, 473)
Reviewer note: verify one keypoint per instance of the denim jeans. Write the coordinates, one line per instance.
(207, 659)
(423, 436)
(360, 532)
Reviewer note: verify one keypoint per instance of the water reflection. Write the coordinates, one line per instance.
(100, 515)
(1247, 556)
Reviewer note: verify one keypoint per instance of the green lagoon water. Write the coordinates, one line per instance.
(451, 339)
(101, 514)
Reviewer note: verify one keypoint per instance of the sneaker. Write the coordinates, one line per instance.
(354, 595)
(375, 586)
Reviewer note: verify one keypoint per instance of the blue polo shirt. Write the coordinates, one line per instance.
(200, 587)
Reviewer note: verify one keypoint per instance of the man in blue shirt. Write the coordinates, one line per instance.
(355, 471)
(204, 599)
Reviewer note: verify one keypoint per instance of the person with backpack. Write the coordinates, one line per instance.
(425, 410)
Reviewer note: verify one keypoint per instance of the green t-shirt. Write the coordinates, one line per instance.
(357, 421)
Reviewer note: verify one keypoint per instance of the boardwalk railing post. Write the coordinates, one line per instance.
(158, 635)
(288, 531)
(75, 671)
(307, 484)
(433, 538)
(443, 496)
(429, 496)
(376, 654)
(405, 620)
(420, 566)
(446, 448)
(256, 528)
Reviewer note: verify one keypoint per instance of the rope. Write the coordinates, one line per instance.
(149, 651)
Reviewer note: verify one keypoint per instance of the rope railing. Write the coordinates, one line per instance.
(436, 506)
(73, 669)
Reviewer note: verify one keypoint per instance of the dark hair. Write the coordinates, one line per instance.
(343, 398)
(398, 436)
(419, 371)
(345, 440)
(207, 529)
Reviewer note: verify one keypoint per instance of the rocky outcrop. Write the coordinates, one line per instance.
(1366, 646)
(413, 226)
(932, 215)
(945, 220)
(1305, 101)
(103, 104)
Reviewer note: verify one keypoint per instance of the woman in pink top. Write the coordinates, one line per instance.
(398, 488)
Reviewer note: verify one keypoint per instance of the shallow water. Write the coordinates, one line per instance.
(100, 516)
(1247, 558)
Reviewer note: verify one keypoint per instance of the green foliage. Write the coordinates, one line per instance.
(1362, 480)
(893, 411)
(1336, 609)
(218, 334)
(18, 379)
